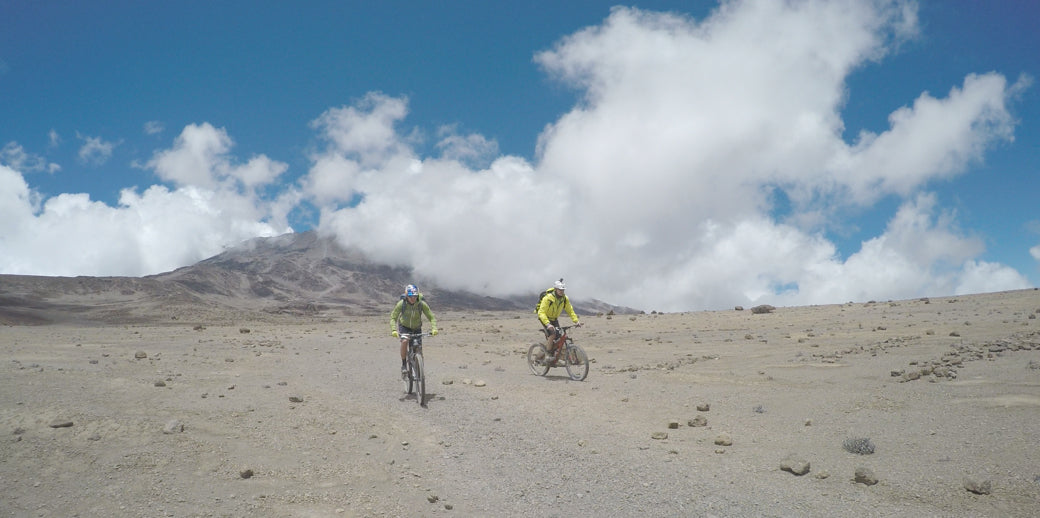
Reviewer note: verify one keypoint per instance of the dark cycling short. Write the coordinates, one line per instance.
(401, 330)
(555, 323)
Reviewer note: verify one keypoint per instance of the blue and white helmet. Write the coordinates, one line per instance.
(411, 291)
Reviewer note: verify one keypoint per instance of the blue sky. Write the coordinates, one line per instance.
(662, 155)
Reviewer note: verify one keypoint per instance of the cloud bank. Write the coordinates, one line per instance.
(658, 190)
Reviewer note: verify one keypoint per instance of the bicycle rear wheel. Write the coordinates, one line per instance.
(536, 357)
(420, 379)
(577, 362)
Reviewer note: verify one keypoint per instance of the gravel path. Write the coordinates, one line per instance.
(309, 418)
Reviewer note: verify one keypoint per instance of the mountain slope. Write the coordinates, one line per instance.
(292, 274)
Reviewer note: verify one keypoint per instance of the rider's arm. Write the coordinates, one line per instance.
(394, 315)
(570, 310)
(429, 315)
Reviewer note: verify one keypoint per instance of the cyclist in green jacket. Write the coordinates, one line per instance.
(406, 318)
(553, 303)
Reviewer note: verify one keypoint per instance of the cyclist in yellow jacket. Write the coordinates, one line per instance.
(406, 318)
(553, 303)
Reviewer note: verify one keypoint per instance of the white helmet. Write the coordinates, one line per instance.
(559, 284)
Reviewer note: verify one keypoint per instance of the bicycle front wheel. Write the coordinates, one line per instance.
(409, 375)
(536, 357)
(577, 362)
(419, 373)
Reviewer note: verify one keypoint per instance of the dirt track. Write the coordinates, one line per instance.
(309, 418)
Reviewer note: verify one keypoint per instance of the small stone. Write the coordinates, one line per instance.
(798, 467)
(659, 436)
(697, 422)
(246, 473)
(673, 424)
(295, 399)
(703, 407)
(432, 498)
(865, 476)
(140, 355)
(979, 487)
(173, 426)
(160, 383)
(60, 423)
(723, 439)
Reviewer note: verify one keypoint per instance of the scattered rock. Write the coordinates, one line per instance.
(865, 476)
(295, 399)
(796, 466)
(762, 309)
(703, 407)
(673, 424)
(697, 422)
(432, 498)
(979, 487)
(160, 383)
(659, 436)
(173, 426)
(246, 473)
(739, 308)
(723, 439)
(140, 355)
(858, 445)
(60, 423)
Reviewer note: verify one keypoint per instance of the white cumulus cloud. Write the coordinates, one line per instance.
(656, 190)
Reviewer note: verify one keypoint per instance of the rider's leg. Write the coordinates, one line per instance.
(550, 338)
(404, 349)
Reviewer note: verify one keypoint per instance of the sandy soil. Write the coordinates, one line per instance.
(308, 417)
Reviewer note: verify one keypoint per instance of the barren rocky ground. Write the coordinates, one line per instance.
(716, 413)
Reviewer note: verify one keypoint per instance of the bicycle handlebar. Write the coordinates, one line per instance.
(565, 328)
(412, 335)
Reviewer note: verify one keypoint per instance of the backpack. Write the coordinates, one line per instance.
(542, 296)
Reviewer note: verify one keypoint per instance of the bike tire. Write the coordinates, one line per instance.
(577, 362)
(536, 359)
(409, 379)
(420, 380)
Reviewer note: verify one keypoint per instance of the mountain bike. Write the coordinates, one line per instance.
(539, 359)
(415, 373)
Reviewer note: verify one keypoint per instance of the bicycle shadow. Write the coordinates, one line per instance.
(411, 398)
(558, 377)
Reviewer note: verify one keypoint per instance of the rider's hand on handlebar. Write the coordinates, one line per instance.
(578, 324)
(550, 329)
(394, 334)
(434, 332)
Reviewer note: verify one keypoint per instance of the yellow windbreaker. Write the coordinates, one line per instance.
(550, 308)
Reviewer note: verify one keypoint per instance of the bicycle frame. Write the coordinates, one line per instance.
(560, 344)
(416, 375)
(541, 358)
